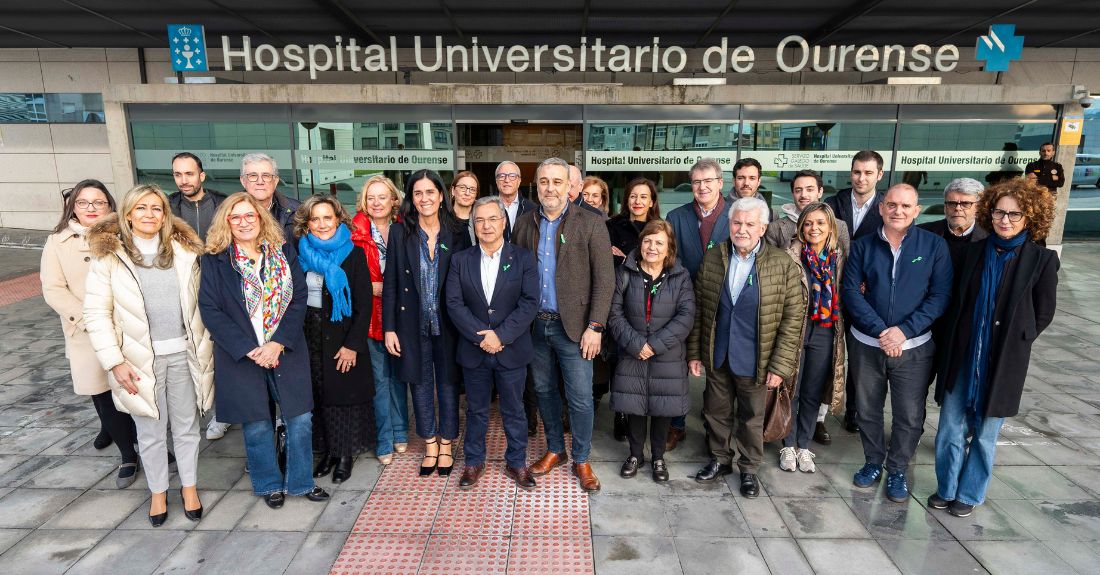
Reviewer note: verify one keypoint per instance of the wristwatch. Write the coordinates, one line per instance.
(595, 326)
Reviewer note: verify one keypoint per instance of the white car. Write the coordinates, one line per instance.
(1087, 170)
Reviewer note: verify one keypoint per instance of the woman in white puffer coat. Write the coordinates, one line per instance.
(141, 312)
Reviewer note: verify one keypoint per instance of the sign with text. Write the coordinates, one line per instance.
(211, 159)
(1070, 134)
(964, 161)
(819, 160)
(670, 161)
(375, 159)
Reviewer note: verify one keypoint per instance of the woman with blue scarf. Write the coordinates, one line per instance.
(338, 315)
(1004, 297)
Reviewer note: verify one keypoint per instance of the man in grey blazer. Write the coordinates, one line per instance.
(576, 280)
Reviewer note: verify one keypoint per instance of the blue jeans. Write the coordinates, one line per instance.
(963, 474)
(553, 351)
(391, 400)
(436, 386)
(263, 465)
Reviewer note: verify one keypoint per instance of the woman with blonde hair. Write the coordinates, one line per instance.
(253, 298)
(595, 193)
(141, 313)
(378, 204)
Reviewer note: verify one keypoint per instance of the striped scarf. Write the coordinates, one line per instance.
(824, 297)
(267, 284)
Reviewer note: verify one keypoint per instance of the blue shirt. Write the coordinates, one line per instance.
(548, 259)
(429, 286)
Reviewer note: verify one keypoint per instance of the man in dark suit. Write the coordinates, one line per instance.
(960, 208)
(857, 206)
(576, 281)
(509, 179)
(260, 178)
(492, 297)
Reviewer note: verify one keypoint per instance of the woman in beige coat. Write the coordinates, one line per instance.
(141, 312)
(65, 262)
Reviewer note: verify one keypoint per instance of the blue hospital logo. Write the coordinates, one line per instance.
(187, 46)
(999, 47)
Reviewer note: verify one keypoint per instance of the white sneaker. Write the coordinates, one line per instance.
(787, 459)
(806, 461)
(216, 430)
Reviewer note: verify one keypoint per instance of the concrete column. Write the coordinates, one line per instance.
(1067, 156)
(119, 143)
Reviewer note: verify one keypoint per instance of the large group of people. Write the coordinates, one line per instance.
(311, 326)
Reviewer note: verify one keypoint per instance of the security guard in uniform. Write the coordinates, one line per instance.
(1045, 170)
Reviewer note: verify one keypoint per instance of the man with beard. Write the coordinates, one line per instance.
(193, 202)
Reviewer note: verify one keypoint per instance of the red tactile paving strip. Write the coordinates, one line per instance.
(20, 288)
(426, 525)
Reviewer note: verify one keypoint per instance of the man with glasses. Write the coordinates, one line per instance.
(509, 179)
(193, 201)
(1045, 170)
(958, 227)
(897, 281)
(260, 177)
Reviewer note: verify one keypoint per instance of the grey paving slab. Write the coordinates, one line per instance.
(227, 512)
(885, 519)
(297, 514)
(75, 440)
(49, 552)
(629, 515)
(784, 556)
(1018, 558)
(846, 557)
(1088, 478)
(762, 518)
(97, 509)
(916, 557)
(1065, 424)
(710, 556)
(364, 475)
(232, 445)
(29, 508)
(1058, 451)
(826, 517)
(9, 537)
(267, 552)
(1080, 518)
(30, 440)
(1039, 525)
(795, 483)
(1084, 557)
(987, 523)
(923, 479)
(342, 511)
(617, 555)
(681, 479)
(1040, 482)
(190, 555)
(316, 554)
(177, 521)
(705, 517)
(9, 462)
(128, 553)
(75, 472)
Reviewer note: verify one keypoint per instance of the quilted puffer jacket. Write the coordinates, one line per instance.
(114, 315)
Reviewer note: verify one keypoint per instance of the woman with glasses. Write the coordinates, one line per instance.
(1004, 296)
(253, 298)
(64, 269)
(463, 194)
(141, 312)
(417, 331)
(338, 314)
(378, 204)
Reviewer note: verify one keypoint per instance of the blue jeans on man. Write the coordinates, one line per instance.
(391, 400)
(963, 474)
(263, 464)
(554, 351)
(479, 388)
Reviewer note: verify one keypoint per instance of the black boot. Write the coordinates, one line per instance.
(343, 469)
(325, 465)
(621, 426)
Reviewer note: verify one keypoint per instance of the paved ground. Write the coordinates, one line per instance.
(59, 511)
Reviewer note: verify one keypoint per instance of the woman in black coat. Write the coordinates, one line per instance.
(253, 301)
(416, 330)
(338, 314)
(652, 313)
(1005, 294)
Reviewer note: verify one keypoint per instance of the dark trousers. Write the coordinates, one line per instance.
(509, 384)
(850, 381)
(733, 409)
(906, 378)
(658, 434)
(815, 377)
(435, 386)
(530, 398)
(120, 426)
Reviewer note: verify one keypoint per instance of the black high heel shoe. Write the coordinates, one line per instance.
(324, 466)
(192, 514)
(426, 470)
(159, 519)
(445, 469)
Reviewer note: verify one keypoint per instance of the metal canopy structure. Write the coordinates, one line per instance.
(126, 24)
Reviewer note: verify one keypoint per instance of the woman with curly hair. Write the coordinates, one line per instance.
(1004, 296)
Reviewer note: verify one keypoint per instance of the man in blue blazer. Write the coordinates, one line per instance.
(492, 298)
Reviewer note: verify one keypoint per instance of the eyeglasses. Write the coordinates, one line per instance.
(94, 204)
(960, 205)
(254, 177)
(1013, 217)
(704, 182)
(249, 218)
(490, 220)
(508, 177)
(465, 189)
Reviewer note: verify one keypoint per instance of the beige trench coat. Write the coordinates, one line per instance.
(64, 268)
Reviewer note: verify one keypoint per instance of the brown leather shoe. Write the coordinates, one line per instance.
(470, 475)
(548, 463)
(588, 480)
(675, 436)
(522, 477)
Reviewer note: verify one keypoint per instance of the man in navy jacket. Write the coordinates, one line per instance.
(897, 281)
(492, 297)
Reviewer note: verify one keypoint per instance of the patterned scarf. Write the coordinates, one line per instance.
(824, 297)
(268, 285)
(325, 257)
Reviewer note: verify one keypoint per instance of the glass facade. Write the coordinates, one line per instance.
(54, 108)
